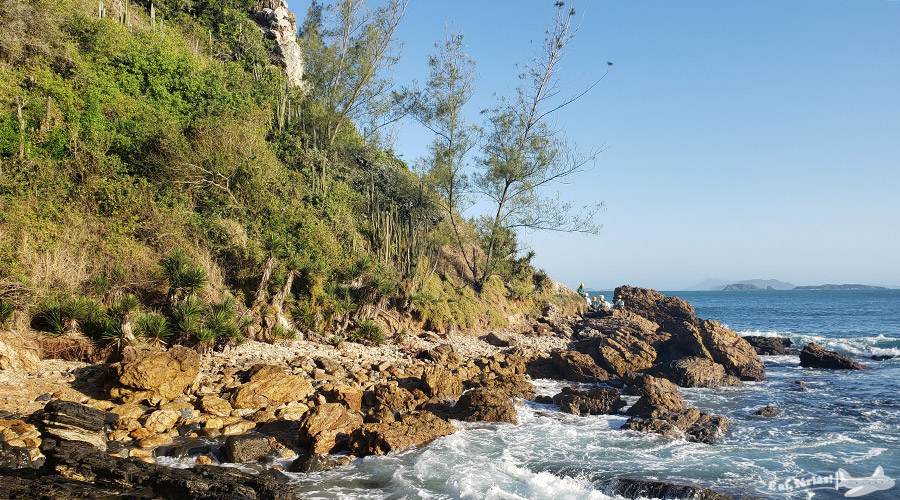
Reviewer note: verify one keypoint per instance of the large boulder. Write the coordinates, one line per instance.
(816, 356)
(69, 421)
(163, 374)
(695, 371)
(658, 396)
(731, 351)
(485, 405)
(413, 429)
(771, 346)
(247, 448)
(326, 428)
(271, 386)
(578, 367)
(595, 401)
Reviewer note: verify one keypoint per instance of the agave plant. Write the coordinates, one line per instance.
(187, 316)
(182, 276)
(369, 332)
(206, 339)
(154, 328)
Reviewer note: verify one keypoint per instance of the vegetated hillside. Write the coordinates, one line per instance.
(159, 183)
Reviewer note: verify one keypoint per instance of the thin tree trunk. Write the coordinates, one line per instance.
(264, 282)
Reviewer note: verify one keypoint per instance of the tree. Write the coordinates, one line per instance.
(349, 49)
(439, 108)
(522, 152)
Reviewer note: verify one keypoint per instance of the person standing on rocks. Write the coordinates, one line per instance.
(620, 304)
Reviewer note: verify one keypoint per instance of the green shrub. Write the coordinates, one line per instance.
(6, 312)
(368, 331)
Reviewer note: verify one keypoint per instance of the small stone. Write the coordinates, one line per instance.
(141, 433)
(203, 460)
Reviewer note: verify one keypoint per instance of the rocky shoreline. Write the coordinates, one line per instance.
(318, 407)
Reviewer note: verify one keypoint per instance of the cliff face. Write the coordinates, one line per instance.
(279, 24)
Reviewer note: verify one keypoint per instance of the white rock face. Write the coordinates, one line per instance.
(279, 24)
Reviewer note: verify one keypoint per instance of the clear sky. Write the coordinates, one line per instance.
(746, 139)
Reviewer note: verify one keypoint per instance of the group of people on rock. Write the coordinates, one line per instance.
(599, 302)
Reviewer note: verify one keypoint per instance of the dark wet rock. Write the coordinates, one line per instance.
(594, 401)
(578, 367)
(634, 488)
(544, 400)
(15, 457)
(318, 462)
(696, 371)
(326, 428)
(816, 356)
(78, 470)
(412, 429)
(771, 346)
(69, 421)
(485, 405)
(246, 448)
(881, 357)
(767, 411)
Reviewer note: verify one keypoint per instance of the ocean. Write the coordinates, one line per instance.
(839, 420)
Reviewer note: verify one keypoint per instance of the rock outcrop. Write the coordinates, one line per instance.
(279, 24)
(661, 410)
(412, 429)
(816, 356)
(18, 355)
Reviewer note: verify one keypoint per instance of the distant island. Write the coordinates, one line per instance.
(756, 284)
(742, 287)
(846, 286)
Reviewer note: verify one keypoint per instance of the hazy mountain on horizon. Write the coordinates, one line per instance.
(716, 284)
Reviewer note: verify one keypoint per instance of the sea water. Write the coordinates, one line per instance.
(846, 420)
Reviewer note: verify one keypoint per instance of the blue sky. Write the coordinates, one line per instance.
(753, 139)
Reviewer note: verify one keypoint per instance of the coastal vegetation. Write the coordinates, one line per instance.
(162, 181)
